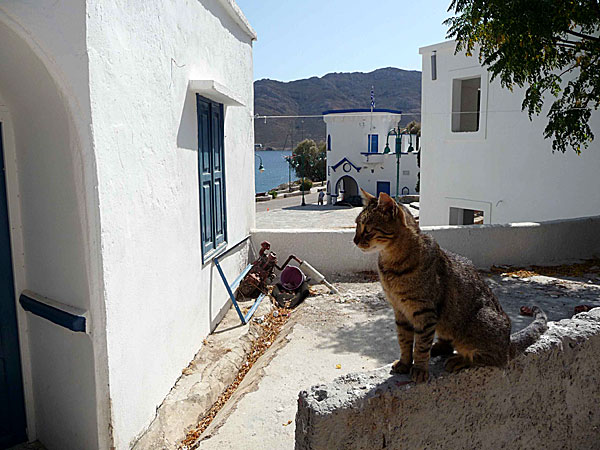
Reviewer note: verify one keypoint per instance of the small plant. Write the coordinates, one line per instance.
(273, 193)
(306, 185)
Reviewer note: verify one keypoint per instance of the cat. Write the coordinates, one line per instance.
(435, 292)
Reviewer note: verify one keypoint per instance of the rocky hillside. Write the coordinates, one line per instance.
(394, 88)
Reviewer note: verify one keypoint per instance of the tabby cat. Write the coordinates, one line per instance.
(435, 292)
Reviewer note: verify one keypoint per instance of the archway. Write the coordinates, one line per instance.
(46, 193)
(346, 189)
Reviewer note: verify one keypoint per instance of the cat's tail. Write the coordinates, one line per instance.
(520, 340)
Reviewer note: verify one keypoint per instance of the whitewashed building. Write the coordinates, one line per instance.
(127, 149)
(356, 140)
(481, 155)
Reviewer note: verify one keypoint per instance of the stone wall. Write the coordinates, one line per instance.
(332, 250)
(546, 398)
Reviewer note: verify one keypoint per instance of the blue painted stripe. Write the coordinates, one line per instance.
(250, 313)
(355, 110)
(59, 317)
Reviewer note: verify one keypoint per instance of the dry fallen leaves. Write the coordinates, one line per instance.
(570, 270)
(269, 329)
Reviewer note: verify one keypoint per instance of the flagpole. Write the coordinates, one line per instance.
(371, 126)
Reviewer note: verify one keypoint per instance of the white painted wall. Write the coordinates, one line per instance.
(519, 244)
(161, 301)
(506, 168)
(349, 139)
(102, 130)
(43, 84)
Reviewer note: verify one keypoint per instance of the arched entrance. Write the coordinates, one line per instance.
(346, 189)
(45, 181)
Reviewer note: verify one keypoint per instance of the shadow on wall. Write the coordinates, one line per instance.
(187, 134)
(216, 9)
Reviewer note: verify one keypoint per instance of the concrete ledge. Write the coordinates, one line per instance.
(544, 243)
(296, 193)
(547, 398)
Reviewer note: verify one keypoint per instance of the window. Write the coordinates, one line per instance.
(373, 144)
(329, 142)
(466, 105)
(461, 216)
(434, 65)
(211, 162)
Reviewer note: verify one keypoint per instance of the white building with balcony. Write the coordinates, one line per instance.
(356, 140)
(126, 146)
(484, 159)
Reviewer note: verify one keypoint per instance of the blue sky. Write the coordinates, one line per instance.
(304, 38)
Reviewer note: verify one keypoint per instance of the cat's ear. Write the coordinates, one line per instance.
(366, 197)
(385, 201)
(389, 205)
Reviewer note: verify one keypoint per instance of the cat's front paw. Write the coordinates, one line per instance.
(400, 367)
(419, 374)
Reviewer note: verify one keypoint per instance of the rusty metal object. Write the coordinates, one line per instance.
(262, 272)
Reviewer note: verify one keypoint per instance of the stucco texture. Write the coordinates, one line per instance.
(161, 300)
(44, 110)
(546, 398)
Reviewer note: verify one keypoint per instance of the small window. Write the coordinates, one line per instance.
(466, 105)
(329, 142)
(211, 165)
(406, 172)
(461, 216)
(373, 144)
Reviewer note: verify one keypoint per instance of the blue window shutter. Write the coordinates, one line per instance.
(205, 175)
(328, 142)
(211, 174)
(218, 174)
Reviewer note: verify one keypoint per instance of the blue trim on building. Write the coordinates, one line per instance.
(54, 315)
(356, 110)
(342, 161)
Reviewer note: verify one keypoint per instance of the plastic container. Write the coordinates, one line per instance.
(291, 278)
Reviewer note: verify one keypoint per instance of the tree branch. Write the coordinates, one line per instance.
(584, 36)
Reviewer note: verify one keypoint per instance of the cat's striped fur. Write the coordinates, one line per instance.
(435, 292)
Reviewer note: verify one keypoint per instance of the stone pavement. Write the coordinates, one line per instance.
(311, 216)
(332, 337)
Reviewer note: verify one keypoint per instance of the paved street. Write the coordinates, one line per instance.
(281, 202)
(287, 213)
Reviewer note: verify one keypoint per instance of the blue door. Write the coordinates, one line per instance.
(383, 186)
(12, 409)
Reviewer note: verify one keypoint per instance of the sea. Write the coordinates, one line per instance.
(276, 170)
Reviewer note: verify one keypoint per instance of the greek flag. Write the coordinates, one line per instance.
(372, 97)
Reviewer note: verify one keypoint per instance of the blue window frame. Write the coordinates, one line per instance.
(211, 175)
(373, 143)
(329, 142)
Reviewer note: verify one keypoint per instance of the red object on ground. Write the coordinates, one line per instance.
(582, 308)
(291, 278)
(526, 311)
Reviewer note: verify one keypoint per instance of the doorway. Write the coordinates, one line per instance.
(12, 406)
(383, 186)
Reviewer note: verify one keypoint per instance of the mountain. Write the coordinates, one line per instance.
(394, 88)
